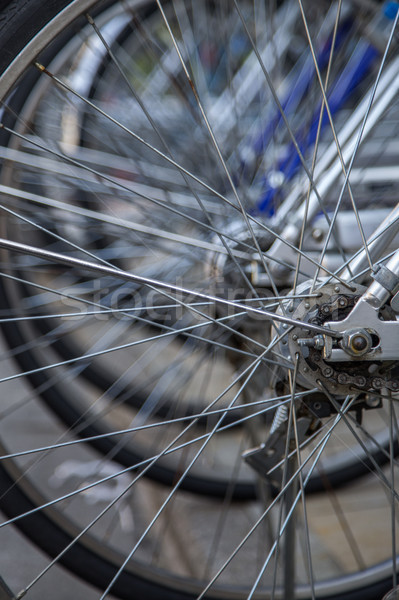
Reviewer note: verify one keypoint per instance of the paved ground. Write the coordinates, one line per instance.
(20, 562)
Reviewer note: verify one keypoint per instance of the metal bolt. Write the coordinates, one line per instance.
(315, 342)
(337, 289)
(319, 342)
(372, 401)
(327, 371)
(359, 343)
(317, 234)
(295, 337)
(342, 302)
(307, 305)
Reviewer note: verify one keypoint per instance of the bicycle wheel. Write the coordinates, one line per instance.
(149, 160)
(67, 346)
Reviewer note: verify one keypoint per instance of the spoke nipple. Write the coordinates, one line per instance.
(90, 19)
(43, 69)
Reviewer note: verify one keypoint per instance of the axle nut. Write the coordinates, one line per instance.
(357, 342)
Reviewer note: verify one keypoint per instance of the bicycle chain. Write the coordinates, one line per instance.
(364, 376)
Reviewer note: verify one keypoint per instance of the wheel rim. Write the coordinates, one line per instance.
(190, 251)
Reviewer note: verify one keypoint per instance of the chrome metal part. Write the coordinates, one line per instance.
(395, 303)
(356, 361)
(377, 243)
(388, 279)
(330, 172)
(377, 294)
(384, 331)
(357, 342)
(316, 342)
(280, 416)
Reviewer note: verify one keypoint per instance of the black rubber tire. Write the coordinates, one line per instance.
(20, 21)
(55, 397)
(52, 534)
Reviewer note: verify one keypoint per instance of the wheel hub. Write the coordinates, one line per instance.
(220, 266)
(335, 303)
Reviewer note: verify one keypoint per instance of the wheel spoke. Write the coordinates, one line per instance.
(198, 200)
